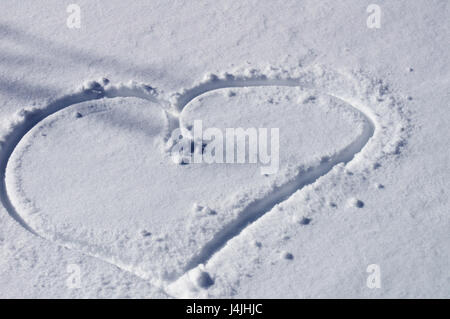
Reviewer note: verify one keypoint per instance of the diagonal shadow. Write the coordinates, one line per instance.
(74, 55)
(24, 90)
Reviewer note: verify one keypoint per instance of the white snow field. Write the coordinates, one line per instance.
(355, 205)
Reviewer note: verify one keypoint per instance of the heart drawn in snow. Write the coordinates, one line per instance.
(92, 171)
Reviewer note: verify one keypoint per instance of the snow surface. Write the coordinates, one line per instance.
(88, 179)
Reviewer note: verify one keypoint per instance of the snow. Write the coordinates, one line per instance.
(87, 116)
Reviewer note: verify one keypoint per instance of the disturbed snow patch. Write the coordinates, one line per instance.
(182, 242)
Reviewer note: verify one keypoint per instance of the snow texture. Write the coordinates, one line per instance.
(88, 178)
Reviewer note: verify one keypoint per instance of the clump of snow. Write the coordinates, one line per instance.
(93, 86)
(354, 202)
(178, 159)
(287, 255)
(257, 244)
(379, 186)
(145, 233)
(204, 280)
(208, 211)
(196, 208)
(231, 93)
(305, 221)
